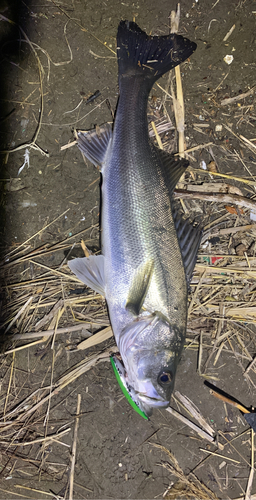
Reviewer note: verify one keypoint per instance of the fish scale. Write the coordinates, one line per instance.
(141, 270)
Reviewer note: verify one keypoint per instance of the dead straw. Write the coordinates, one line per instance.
(178, 101)
(73, 455)
(188, 422)
(187, 485)
(251, 475)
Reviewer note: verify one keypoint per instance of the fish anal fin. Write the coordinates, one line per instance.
(90, 270)
(139, 287)
(189, 237)
(173, 167)
(94, 143)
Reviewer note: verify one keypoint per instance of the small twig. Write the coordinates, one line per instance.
(217, 197)
(38, 440)
(219, 455)
(19, 313)
(82, 27)
(36, 234)
(9, 385)
(32, 489)
(235, 449)
(250, 366)
(32, 143)
(229, 33)
(230, 100)
(73, 455)
(246, 141)
(251, 475)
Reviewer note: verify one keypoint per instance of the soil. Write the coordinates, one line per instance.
(75, 42)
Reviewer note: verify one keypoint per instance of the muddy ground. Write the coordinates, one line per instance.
(52, 60)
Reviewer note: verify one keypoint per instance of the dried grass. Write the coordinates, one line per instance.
(44, 304)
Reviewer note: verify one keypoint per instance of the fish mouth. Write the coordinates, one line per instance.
(153, 402)
(141, 403)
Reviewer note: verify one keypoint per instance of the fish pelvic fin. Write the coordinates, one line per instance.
(150, 56)
(139, 287)
(90, 270)
(94, 143)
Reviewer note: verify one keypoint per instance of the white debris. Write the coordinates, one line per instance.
(205, 245)
(203, 165)
(28, 203)
(222, 464)
(253, 215)
(228, 59)
(26, 162)
(218, 128)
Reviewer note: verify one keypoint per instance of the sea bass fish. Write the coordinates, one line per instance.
(148, 250)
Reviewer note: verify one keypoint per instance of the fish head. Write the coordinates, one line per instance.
(150, 350)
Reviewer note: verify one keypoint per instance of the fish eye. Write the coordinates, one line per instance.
(165, 378)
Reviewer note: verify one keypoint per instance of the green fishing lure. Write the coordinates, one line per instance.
(119, 373)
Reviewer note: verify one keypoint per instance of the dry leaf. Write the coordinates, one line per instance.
(212, 167)
(233, 210)
(240, 249)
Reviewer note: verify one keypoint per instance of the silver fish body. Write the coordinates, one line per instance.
(141, 271)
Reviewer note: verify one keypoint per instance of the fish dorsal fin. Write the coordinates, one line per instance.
(90, 270)
(173, 166)
(94, 143)
(139, 287)
(189, 237)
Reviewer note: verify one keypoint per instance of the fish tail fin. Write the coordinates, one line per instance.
(150, 56)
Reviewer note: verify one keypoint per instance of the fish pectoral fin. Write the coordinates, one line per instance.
(173, 166)
(94, 143)
(189, 237)
(139, 287)
(90, 270)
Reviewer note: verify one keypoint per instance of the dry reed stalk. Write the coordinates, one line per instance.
(178, 101)
(96, 339)
(197, 429)
(194, 412)
(158, 138)
(48, 333)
